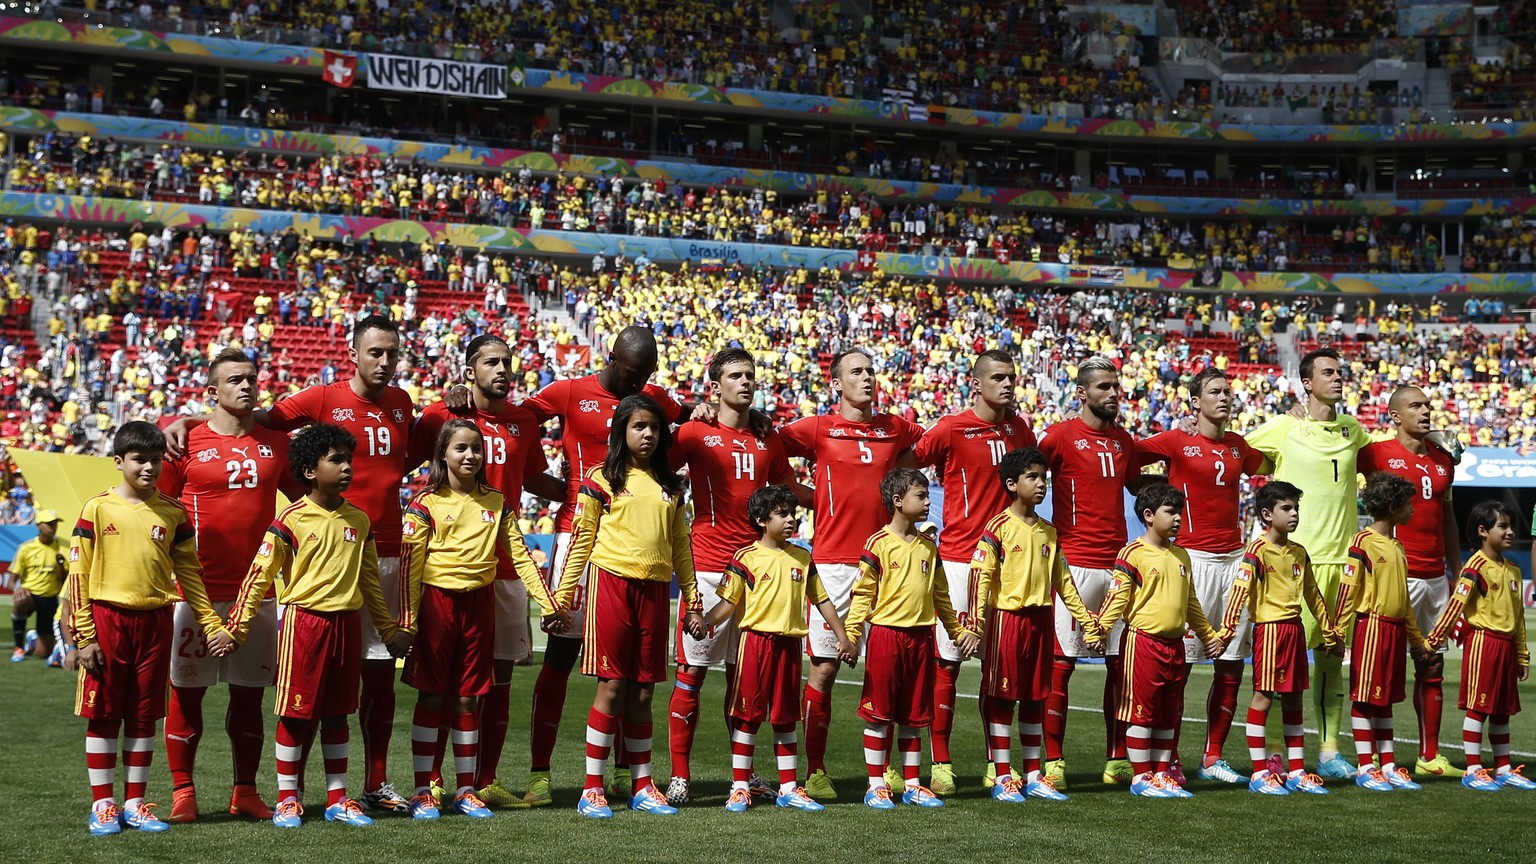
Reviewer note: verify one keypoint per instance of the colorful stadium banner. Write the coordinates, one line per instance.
(119, 38)
(1135, 20)
(122, 213)
(430, 75)
(27, 120)
(1497, 467)
(1449, 19)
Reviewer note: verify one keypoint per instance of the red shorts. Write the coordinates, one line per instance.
(767, 685)
(1016, 660)
(1378, 661)
(900, 667)
(453, 653)
(319, 663)
(1280, 657)
(1490, 669)
(625, 636)
(136, 665)
(1154, 672)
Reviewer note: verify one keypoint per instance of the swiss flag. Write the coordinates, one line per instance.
(866, 260)
(575, 356)
(339, 69)
(1003, 255)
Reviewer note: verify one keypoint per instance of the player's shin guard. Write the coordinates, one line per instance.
(683, 720)
(944, 689)
(548, 703)
(1429, 704)
(1472, 739)
(1220, 709)
(291, 740)
(743, 747)
(495, 717)
(818, 716)
(426, 728)
(243, 724)
(785, 750)
(1365, 733)
(1498, 741)
(909, 739)
(183, 731)
(138, 754)
(877, 745)
(601, 730)
(1114, 730)
(1138, 748)
(1056, 707)
(1295, 740)
(376, 718)
(1328, 697)
(999, 728)
(101, 758)
(1258, 748)
(466, 749)
(335, 748)
(1030, 727)
(637, 752)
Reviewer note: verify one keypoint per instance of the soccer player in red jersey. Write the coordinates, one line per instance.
(514, 461)
(1207, 466)
(227, 480)
(967, 448)
(853, 450)
(726, 463)
(1433, 547)
(1092, 459)
(585, 407)
(379, 416)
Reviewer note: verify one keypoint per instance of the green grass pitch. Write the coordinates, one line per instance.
(45, 801)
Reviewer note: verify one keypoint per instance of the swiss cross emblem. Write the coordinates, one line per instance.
(349, 535)
(399, 415)
(761, 446)
(157, 532)
(487, 516)
(264, 451)
(1440, 470)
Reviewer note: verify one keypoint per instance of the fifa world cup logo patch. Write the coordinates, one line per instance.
(298, 701)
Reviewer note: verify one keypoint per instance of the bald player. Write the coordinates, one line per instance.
(1317, 453)
(1433, 547)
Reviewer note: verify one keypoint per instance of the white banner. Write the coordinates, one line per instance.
(426, 75)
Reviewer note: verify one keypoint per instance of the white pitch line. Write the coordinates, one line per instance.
(1487, 748)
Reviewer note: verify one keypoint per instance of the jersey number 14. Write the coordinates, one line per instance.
(746, 466)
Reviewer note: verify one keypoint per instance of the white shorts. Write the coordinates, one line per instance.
(252, 666)
(1213, 577)
(1428, 598)
(389, 580)
(514, 641)
(1092, 584)
(958, 575)
(838, 581)
(578, 608)
(718, 647)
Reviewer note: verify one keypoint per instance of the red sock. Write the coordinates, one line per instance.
(426, 730)
(1382, 723)
(548, 703)
(183, 731)
(785, 751)
(944, 687)
(1114, 730)
(1498, 739)
(1295, 739)
(1428, 703)
(1472, 739)
(601, 730)
(1030, 713)
(637, 752)
(818, 715)
(1138, 745)
(877, 742)
(495, 717)
(138, 754)
(999, 728)
(440, 749)
(290, 741)
(1056, 707)
(1258, 747)
(101, 757)
(1220, 709)
(376, 716)
(683, 720)
(335, 746)
(743, 747)
(466, 749)
(247, 735)
(910, 741)
(1364, 732)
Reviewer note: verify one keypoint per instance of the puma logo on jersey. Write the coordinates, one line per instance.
(377, 416)
(494, 427)
(243, 451)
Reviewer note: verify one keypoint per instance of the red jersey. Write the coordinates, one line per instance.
(1423, 538)
(1089, 469)
(967, 451)
(383, 433)
(228, 485)
(1209, 471)
(851, 459)
(725, 466)
(514, 451)
(585, 408)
